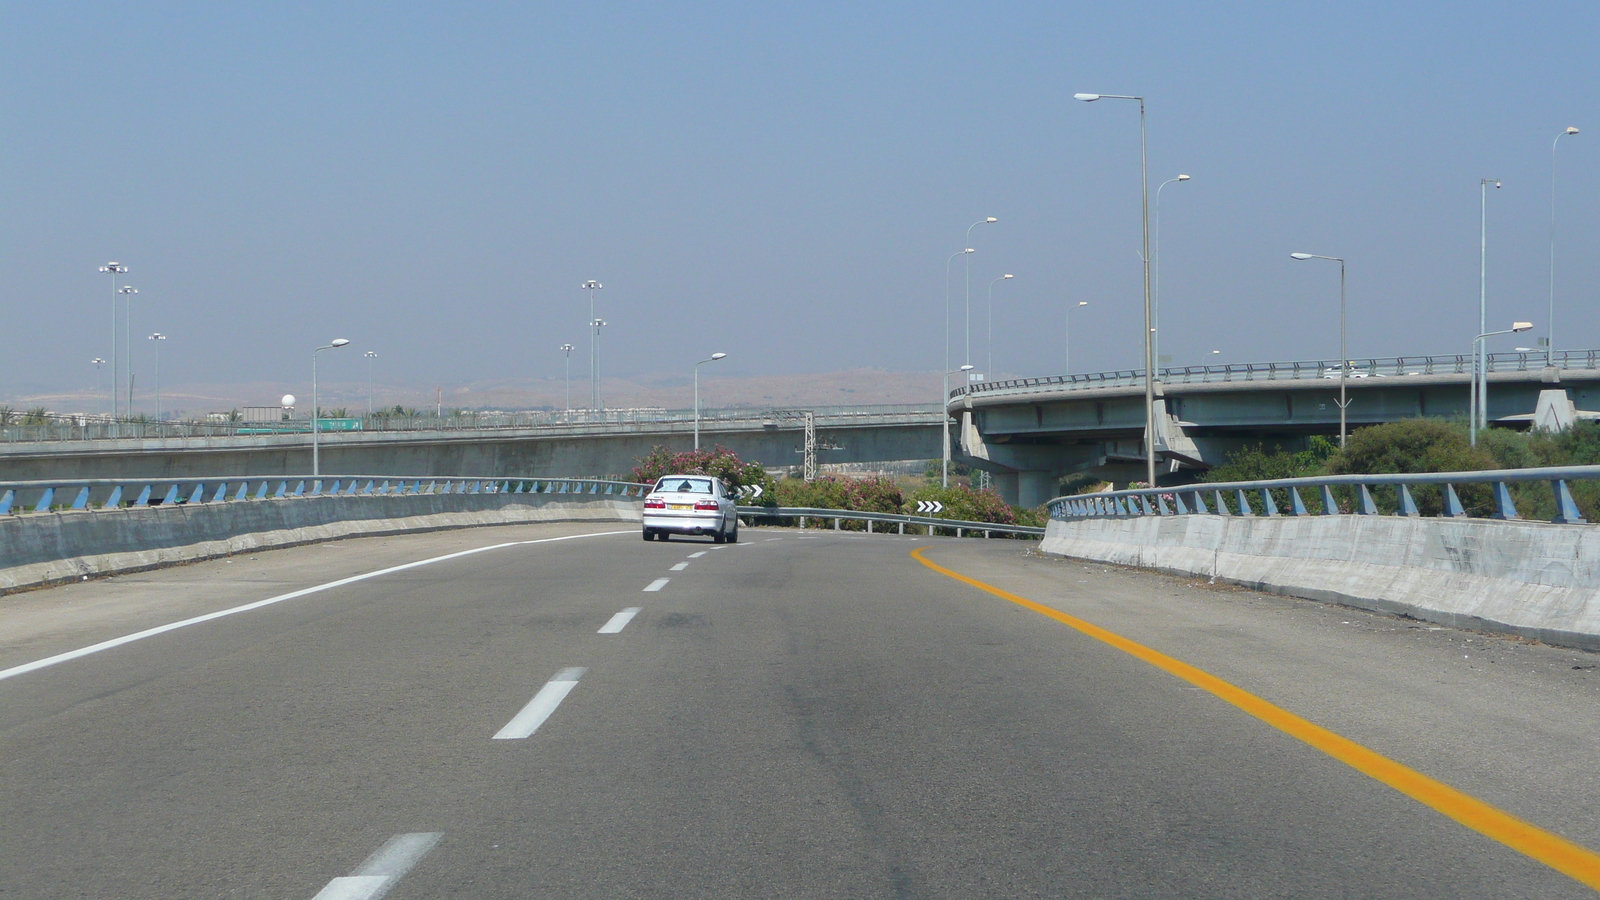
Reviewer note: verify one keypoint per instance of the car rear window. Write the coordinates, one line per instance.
(684, 485)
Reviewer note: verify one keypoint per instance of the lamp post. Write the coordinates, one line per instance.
(594, 358)
(370, 355)
(316, 411)
(944, 398)
(1473, 427)
(988, 364)
(1067, 356)
(714, 357)
(1149, 350)
(1550, 324)
(594, 340)
(944, 474)
(567, 349)
(158, 337)
(1344, 357)
(1155, 300)
(114, 269)
(127, 293)
(967, 357)
(1480, 366)
(97, 362)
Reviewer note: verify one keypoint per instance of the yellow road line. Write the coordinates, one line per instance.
(1573, 860)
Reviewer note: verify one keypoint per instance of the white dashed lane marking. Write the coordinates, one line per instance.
(382, 869)
(620, 621)
(656, 585)
(697, 555)
(680, 567)
(525, 723)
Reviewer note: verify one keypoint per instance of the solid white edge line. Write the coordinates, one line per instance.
(619, 621)
(656, 585)
(526, 722)
(48, 661)
(374, 877)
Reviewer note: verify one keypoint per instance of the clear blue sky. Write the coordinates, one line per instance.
(781, 182)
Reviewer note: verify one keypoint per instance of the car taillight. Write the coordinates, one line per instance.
(654, 503)
(706, 504)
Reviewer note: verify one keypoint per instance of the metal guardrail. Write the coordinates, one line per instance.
(1191, 499)
(133, 493)
(1386, 367)
(90, 428)
(960, 526)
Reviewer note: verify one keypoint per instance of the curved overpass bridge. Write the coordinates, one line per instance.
(1031, 432)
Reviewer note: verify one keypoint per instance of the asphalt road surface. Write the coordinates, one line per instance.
(804, 714)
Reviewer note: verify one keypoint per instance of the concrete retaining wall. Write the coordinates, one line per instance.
(46, 548)
(1534, 579)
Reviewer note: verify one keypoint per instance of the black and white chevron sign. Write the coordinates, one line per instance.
(751, 491)
(929, 506)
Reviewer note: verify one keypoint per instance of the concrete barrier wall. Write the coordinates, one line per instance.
(45, 548)
(1534, 579)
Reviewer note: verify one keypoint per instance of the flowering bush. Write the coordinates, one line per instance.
(718, 461)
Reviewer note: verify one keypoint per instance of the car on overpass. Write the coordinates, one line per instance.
(691, 504)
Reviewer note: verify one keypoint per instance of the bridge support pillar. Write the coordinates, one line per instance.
(1026, 488)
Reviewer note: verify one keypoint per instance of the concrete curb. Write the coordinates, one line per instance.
(40, 549)
(1536, 580)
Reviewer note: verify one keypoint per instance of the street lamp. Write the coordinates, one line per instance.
(1480, 372)
(594, 339)
(1067, 356)
(1550, 349)
(1149, 322)
(968, 262)
(370, 355)
(127, 293)
(714, 358)
(1473, 427)
(97, 362)
(594, 358)
(944, 472)
(989, 342)
(114, 269)
(1155, 300)
(945, 397)
(1344, 358)
(567, 350)
(158, 337)
(316, 411)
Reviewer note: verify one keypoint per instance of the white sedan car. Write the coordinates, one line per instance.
(691, 504)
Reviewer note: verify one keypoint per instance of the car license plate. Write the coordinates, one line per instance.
(680, 506)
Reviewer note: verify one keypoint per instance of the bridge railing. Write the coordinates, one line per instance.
(1386, 367)
(1401, 495)
(17, 497)
(897, 520)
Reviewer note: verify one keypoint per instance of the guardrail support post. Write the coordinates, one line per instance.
(1408, 506)
(1566, 509)
(835, 523)
(1329, 507)
(1199, 503)
(1177, 501)
(1219, 504)
(1267, 502)
(1368, 508)
(82, 500)
(1452, 502)
(1244, 502)
(1297, 505)
(902, 528)
(1504, 508)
